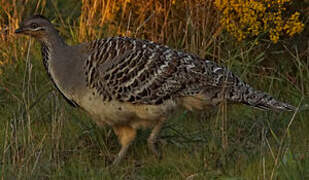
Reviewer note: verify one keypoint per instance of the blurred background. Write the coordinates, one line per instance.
(264, 42)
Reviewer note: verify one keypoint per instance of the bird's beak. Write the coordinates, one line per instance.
(19, 31)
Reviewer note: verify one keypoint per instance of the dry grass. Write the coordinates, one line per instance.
(184, 24)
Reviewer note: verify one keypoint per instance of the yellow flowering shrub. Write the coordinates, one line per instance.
(247, 18)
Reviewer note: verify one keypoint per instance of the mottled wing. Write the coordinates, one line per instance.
(138, 71)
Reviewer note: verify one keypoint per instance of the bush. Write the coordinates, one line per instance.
(247, 18)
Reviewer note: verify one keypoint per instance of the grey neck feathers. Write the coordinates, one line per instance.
(45, 55)
(50, 44)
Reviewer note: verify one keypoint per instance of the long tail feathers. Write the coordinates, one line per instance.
(264, 101)
(281, 106)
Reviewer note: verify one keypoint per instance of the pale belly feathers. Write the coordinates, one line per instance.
(118, 113)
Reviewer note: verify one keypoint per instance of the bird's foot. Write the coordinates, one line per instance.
(153, 147)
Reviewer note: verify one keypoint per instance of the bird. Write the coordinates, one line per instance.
(129, 83)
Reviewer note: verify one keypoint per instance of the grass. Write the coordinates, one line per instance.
(42, 137)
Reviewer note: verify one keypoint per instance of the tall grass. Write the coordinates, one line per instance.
(192, 25)
(41, 137)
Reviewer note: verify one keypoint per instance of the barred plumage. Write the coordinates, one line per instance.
(130, 83)
(143, 72)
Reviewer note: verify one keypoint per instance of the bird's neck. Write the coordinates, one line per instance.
(50, 44)
(53, 48)
(52, 40)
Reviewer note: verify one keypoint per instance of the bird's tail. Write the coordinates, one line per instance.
(264, 101)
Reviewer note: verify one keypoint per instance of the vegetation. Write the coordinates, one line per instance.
(251, 18)
(42, 137)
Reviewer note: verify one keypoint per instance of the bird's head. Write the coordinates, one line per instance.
(36, 26)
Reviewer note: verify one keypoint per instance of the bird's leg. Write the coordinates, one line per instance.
(126, 135)
(153, 139)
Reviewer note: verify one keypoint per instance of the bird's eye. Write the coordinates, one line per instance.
(34, 25)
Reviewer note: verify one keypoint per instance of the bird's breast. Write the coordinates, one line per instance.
(115, 112)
